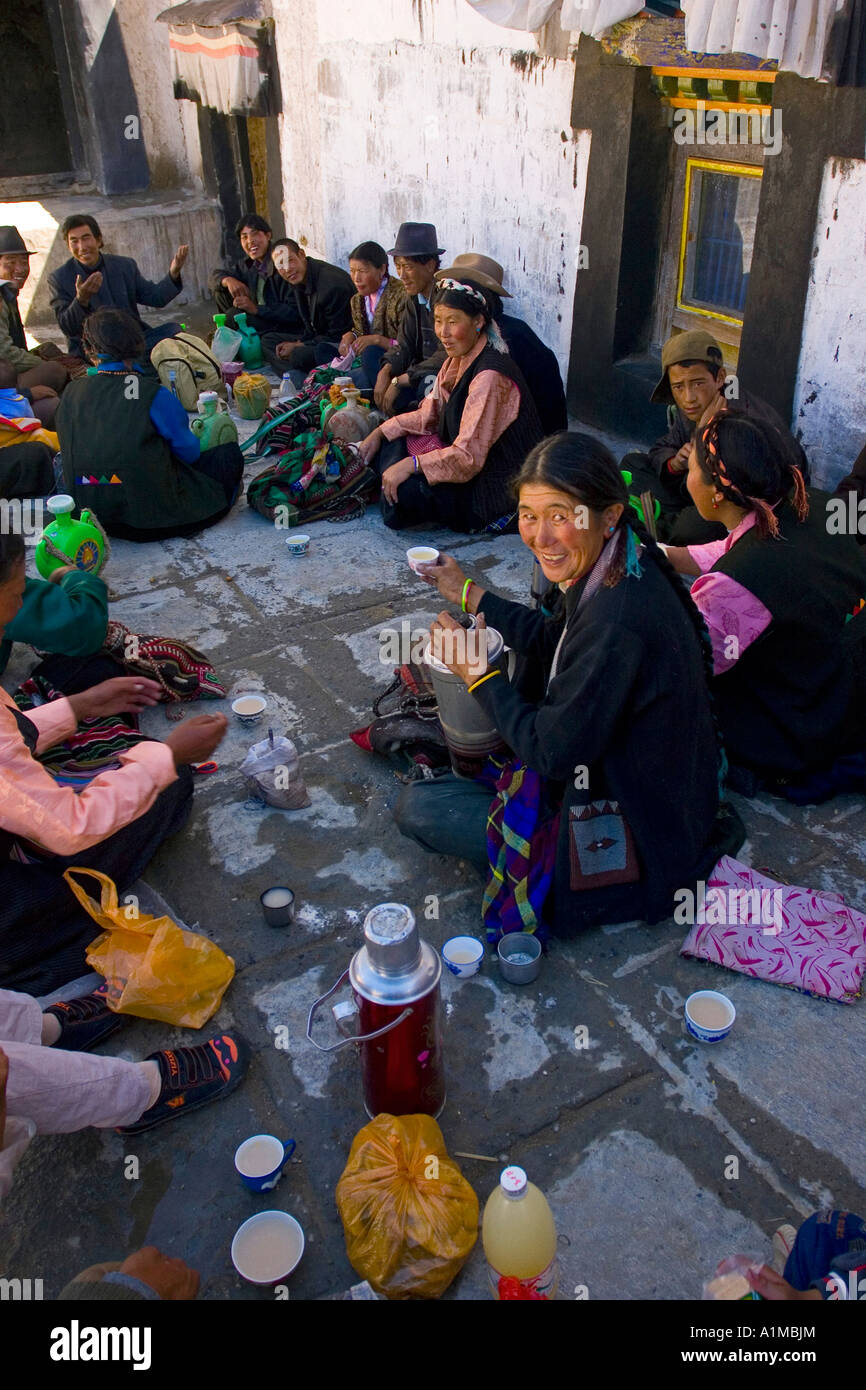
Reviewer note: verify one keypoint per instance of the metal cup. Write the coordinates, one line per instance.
(280, 911)
(518, 942)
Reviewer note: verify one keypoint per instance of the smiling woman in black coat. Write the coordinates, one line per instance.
(600, 686)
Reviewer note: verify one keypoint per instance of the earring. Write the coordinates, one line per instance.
(716, 503)
(610, 530)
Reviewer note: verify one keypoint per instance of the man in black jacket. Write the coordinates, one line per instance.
(251, 284)
(399, 386)
(693, 377)
(321, 295)
(92, 280)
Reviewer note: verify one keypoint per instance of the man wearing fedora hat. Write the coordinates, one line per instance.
(399, 385)
(534, 358)
(40, 372)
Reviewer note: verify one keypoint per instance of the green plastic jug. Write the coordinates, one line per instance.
(251, 345)
(213, 425)
(66, 541)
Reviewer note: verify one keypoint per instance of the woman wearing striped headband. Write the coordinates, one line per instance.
(451, 461)
(781, 597)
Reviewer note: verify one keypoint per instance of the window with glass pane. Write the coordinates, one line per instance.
(718, 234)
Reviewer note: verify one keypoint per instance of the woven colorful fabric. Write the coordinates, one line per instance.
(812, 942)
(521, 848)
(94, 747)
(306, 408)
(182, 672)
(300, 484)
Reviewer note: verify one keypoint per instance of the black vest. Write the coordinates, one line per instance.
(794, 700)
(491, 495)
(104, 435)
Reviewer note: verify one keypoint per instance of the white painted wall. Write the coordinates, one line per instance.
(168, 127)
(413, 110)
(830, 402)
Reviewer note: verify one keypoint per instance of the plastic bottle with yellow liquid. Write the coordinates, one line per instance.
(519, 1239)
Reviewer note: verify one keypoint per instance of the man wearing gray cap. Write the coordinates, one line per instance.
(693, 380)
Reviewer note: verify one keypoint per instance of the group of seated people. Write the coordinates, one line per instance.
(635, 704)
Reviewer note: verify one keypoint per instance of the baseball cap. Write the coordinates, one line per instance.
(695, 346)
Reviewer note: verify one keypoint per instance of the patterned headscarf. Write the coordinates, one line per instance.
(470, 293)
(766, 519)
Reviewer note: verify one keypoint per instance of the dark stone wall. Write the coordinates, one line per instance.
(818, 121)
(626, 179)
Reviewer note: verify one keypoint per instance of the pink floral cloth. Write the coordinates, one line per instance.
(789, 936)
(733, 615)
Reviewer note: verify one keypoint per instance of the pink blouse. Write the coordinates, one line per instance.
(34, 807)
(492, 404)
(734, 617)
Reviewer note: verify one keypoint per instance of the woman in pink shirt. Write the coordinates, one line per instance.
(453, 459)
(115, 824)
(784, 598)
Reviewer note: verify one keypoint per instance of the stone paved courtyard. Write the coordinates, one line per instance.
(631, 1137)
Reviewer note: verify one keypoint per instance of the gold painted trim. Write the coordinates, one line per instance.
(720, 74)
(741, 171)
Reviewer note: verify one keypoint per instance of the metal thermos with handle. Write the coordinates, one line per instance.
(397, 1011)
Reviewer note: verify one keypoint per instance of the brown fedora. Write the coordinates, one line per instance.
(484, 271)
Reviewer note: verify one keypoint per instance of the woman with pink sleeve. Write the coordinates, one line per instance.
(115, 824)
(451, 462)
(784, 599)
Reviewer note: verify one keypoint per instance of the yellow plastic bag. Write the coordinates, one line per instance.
(153, 968)
(252, 395)
(409, 1216)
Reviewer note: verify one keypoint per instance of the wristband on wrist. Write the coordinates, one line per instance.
(482, 679)
(466, 587)
(415, 461)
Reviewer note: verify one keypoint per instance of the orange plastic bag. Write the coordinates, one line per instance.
(153, 968)
(409, 1216)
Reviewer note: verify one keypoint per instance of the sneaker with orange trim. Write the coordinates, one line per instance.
(194, 1076)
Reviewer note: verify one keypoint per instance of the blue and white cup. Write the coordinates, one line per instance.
(709, 1015)
(298, 545)
(260, 1161)
(463, 956)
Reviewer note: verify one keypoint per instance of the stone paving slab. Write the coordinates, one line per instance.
(631, 1135)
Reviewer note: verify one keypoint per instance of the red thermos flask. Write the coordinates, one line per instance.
(395, 983)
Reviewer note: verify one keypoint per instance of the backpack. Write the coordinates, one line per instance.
(194, 364)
